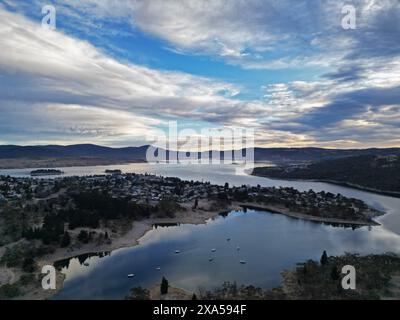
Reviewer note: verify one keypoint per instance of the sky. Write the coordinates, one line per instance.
(116, 72)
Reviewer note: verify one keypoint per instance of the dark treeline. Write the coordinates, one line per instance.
(89, 210)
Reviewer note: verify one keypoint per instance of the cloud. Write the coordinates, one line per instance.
(43, 68)
(258, 34)
(244, 32)
(68, 89)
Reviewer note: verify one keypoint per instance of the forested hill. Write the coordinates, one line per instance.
(275, 155)
(374, 172)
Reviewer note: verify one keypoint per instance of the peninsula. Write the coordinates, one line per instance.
(46, 220)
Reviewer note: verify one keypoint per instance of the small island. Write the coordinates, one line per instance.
(113, 171)
(46, 172)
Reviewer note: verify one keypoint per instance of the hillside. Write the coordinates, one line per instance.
(381, 173)
(79, 150)
(261, 154)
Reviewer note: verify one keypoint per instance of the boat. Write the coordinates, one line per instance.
(211, 259)
(237, 248)
(213, 250)
(86, 264)
(242, 261)
(177, 251)
(131, 275)
(158, 268)
(229, 239)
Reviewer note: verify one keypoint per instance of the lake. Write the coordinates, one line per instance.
(268, 242)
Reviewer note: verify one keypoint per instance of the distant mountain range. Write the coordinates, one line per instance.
(72, 151)
(276, 155)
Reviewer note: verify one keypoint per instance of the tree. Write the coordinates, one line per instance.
(66, 240)
(164, 286)
(83, 236)
(9, 291)
(29, 265)
(196, 203)
(106, 235)
(194, 297)
(324, 258)
(335, 275)
(139, 293)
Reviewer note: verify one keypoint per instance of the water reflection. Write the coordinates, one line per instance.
(268, 243)
(83, 259)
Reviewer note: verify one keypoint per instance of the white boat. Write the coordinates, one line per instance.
(131, 275)
(158, 268)
(177, 251)
(242, 262)
(213, 250)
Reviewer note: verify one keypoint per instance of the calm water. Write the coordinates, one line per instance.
(268, 242)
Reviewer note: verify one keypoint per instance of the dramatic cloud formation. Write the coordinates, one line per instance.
(337, 88)
(45, 68)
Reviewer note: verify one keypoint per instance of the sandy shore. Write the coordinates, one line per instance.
(137, 230)
(127, 239)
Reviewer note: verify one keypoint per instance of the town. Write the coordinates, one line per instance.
(130, 193)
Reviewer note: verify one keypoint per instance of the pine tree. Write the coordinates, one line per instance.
(194, 297)
(83, 236)
(324, 258)
(335, 275)
(29, 265)
(164, 286)
(66, 240)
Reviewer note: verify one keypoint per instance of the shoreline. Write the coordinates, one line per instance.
(129, 239)
(393, 194)
(138, 229)
(307, 217)
(191, 216)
